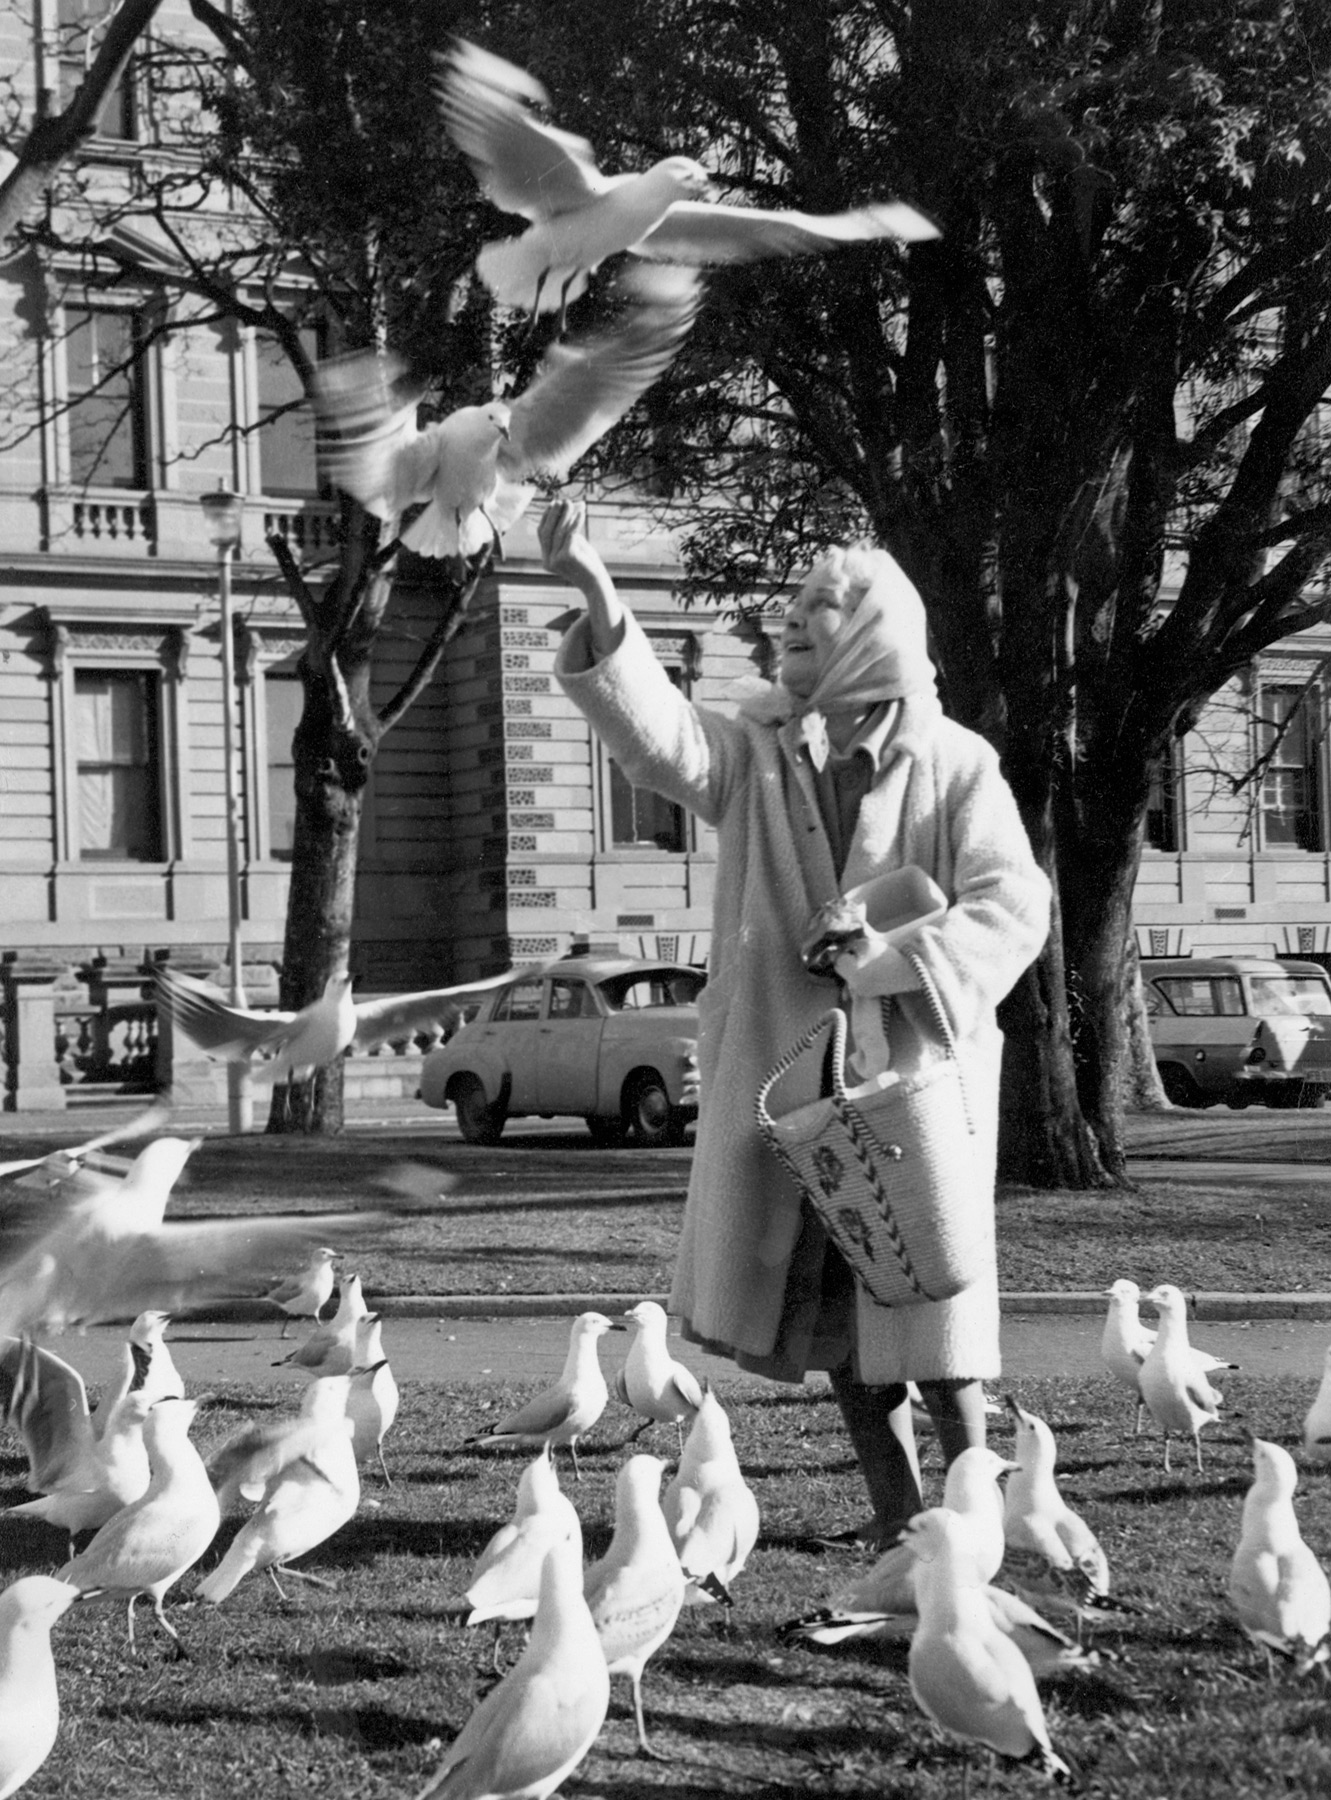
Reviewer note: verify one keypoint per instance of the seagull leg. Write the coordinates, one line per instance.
(1141, 1408)
(1166, 1453)
(1197, 1440)
(494, 1648)
(272, 1576)
(573, 1452)
(965, 1775)
(286, 1326)
(644, 1748)
(129, 1619)
(182, 1655)
(305, 1575)
(383, 1466)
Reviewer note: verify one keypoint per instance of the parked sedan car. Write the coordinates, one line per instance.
(612, 1038)
(1239, 1029)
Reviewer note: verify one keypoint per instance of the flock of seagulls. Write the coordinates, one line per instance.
(475, 472)
(997, 1590)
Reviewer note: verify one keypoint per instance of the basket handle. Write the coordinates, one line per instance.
(833, 1017)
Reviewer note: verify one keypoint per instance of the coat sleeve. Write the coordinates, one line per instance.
(659, 738)
(999, 917)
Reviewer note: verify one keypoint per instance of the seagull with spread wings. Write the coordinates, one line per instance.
(477, 469)
(300, 1042)
(97, 1247)
(580, 216)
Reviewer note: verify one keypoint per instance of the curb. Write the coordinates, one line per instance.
(1202, 1306)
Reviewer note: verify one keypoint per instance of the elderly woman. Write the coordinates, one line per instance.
(843, 770)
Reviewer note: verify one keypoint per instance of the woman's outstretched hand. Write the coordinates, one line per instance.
(565, 547)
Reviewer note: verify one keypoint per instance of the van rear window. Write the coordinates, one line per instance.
(1288, 994)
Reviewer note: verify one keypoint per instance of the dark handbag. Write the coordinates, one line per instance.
(892, 1174)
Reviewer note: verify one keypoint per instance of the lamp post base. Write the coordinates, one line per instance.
(239, 1098)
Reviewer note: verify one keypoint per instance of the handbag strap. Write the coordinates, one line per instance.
(833, 1017)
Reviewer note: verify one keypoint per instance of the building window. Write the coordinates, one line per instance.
(78, 22)
(105, 382)
(1289, 741)
(287, 465)
(640, 819)
(117, 727)
(1163, 802)
(283, 700)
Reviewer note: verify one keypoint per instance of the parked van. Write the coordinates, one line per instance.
(1239, 1029)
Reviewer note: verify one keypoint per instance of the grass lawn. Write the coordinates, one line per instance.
(553, 1214)
(341, 1693)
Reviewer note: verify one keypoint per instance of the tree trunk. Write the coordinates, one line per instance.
(332, 765)
(1099, 856)
(1140, 1087)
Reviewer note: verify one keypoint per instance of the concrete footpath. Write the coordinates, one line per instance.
(520, 1351)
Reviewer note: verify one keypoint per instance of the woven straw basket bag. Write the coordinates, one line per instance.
(891, 1173)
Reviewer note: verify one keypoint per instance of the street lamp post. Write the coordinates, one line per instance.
(221, 511)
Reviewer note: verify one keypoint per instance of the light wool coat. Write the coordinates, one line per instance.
(746, 1281)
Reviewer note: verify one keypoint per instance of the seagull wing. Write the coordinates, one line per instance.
(686, 1385)
(520, 164)
(399, 1015)
(546, 1412)
(208, 1018)
(585, 387)
(368, 439)
(182, 1263)
(698, 231)
(46, 1403)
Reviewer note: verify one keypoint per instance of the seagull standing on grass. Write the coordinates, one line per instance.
(1126, 1343)
(298, 1043)
(881, 1601)
(304, 1296)
(242, 1468)
(965, 1674)
(711, 1510)
(477, 469)
(1053, 1558)
(110, 1471)
(532, 1730)
(651, 1381)
(1317, 1423)
(29, 1699)
(372, 1398)
(331, 1349)
(568, 1410)
(580, 217)
(146, 1547)
(1276, 1585)
(637, 1588)
(304, 1502)
(1178, 1396)
(506, 1581)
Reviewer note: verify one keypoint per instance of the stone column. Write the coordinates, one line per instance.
(32, 1076)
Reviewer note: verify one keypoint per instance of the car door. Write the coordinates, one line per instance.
(516, 1042)
(570, 1045)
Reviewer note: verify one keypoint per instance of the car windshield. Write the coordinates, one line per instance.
(652, 987)
(1289, 994)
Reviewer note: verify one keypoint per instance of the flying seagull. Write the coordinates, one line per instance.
(477, 469)
(579, 216)
(300, 1042)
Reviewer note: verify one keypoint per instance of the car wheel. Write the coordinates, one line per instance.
(1239, 1098)
(1180, 1088)
(1311, 1095)
(607, 1132)
(652, 1119)
(478, 1121)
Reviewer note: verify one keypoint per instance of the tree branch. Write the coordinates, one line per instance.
(439, 639)
(297, 585)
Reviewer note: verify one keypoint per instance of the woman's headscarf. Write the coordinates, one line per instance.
(879, 654)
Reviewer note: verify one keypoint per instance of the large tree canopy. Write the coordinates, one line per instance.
(1086, 421)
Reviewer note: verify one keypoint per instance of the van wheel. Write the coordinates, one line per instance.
(478, 1121)
(1180, 1088)
(652, 1119)
(1311, 1095)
